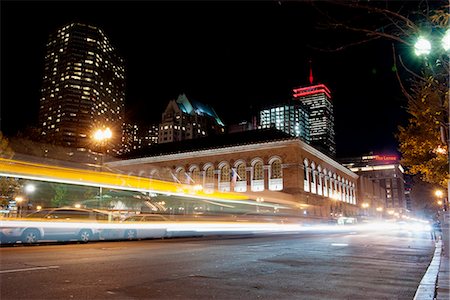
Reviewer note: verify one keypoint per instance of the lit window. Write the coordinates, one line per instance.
(276, 170)
(258, 171)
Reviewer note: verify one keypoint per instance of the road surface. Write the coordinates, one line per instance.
(351, 264)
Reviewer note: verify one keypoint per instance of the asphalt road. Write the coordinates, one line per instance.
(311, 265)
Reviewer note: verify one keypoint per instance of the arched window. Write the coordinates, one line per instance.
(258, 171)
(347, 191)
(225, 173)
(195, 171)
(241, 172)
(314, 178)
(209, 175)
(325, 183)
(335, 186)
(180, 174)
(306, 178)
(320, 179)
(330, 186)
(339, 187)
(275, 169)
(275, 174)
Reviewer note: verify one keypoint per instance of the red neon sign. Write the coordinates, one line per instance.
(311, 90)
(386, 157)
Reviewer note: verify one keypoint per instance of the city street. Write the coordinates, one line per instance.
(351, 264)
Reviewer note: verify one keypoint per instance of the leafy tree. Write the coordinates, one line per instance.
(60, 197)
(9, 186)
(423, 142)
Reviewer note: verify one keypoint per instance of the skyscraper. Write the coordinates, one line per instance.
(317, 98)
(83, 87)
(290, 118)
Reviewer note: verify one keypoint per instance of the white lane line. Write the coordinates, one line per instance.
(339, 245)
(29, 269)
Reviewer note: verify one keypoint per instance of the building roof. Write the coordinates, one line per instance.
(211, 142)
(193, 107)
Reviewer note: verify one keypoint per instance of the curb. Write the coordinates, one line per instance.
(427, 286)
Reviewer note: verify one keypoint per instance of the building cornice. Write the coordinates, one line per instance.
(232, 149)
(327, 159)
(207, 152)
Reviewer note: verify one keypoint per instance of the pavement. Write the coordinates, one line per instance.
(443, 280)
(435, 283)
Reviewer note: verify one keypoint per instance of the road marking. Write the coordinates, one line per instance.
(29, 269)
(339, 245)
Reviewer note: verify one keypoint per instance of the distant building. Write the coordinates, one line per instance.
(386, 171)
(372, 197)
(292, 119)
(83, 87)
(241, 127)
(186, 119)
(138, 136)
(317, 98)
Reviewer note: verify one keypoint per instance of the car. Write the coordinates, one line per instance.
(34, 232)
(139, 228)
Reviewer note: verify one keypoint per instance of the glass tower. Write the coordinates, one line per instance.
(292, 119)
(317, 98)
(83, 87)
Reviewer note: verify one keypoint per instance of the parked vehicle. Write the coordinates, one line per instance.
(69, 224)
(140, 227)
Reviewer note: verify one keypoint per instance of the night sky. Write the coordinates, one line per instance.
(234, 56)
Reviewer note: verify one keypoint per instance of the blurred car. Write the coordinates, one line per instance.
(34, 232)
(140, 228)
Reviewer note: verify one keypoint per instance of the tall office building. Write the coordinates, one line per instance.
(290, 118)
(83, 87)
(317, 98)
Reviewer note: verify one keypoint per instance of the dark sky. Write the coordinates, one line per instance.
(234, 56)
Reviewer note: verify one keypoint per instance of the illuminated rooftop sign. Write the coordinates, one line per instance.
(312, 90)
(380, 157)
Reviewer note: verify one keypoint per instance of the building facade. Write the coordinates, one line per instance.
(256, 162)
(317, 98)
(290, 118)
(184, 119)
(83, 87)
(386, 171)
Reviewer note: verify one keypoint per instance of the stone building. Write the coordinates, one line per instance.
(259, 162)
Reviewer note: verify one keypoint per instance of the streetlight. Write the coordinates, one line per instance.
(423, 47)
(365, 205)
(101, 136)
(258, 200)
(19, 201)
(439, 194)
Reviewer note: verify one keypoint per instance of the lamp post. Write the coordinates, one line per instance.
(19, 201)
(423, 47)
(101, 136)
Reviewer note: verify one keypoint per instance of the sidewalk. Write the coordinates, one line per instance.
(436, 281)
(443, 280)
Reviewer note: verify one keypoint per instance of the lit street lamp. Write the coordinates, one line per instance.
(423, 47)
(101, 136)
(19, 201)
